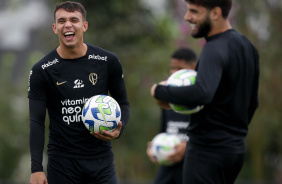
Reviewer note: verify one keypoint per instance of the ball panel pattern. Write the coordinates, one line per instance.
(163, 144)
(184, 77)
(101, 112)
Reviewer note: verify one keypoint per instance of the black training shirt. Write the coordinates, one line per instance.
(63, 86)
(227, 86)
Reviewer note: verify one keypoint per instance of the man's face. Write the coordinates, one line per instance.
(177, 64)
(70, 27)
(199, 20)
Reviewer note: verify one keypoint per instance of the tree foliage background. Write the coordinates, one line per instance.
(143, 38)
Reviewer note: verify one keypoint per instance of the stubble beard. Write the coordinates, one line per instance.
(204, 28)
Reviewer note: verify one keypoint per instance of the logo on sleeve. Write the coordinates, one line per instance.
(30, 73)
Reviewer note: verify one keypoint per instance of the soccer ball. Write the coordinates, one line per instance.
(163, 144)
(101, 112)
(184, 77)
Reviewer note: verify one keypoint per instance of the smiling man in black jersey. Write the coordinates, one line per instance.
(227, 86)
(61, 82)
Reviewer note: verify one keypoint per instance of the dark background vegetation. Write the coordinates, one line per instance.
(143, 38)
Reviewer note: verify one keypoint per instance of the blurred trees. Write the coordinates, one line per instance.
(260, 22)
(13, 121)
(144, 40)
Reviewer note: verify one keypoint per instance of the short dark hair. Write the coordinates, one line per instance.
(186, 54)
(70, 6)
(225, 5)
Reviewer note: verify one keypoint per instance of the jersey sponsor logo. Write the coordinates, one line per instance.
(178, 128)
(93, 77)
(97, 57)
(30, 73)
(60, 83)
(49, 63)
(78, 83)
(71, 110)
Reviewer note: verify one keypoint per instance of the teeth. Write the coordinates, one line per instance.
(193, 26)
(69, 33)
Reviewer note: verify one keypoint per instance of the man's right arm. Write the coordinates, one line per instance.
(37, 112)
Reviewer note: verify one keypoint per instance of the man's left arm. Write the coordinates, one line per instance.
(117, 89)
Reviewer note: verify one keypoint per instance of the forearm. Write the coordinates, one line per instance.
(125, 114)
(36, 140)
(188, 95)
(37, 133)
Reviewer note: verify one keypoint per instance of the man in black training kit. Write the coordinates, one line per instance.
(62, 82)
(175, 123)
(227, 86)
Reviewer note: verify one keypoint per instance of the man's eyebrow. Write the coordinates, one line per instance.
(74, 18)
(61, 18)
(193, 10)
(64, 18)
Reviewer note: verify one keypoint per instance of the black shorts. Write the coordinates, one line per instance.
(201, 167)
(169, 174)
(61, 170)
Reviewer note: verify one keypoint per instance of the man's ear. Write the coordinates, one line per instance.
(85, 25)
(216, 13)
(54, 28)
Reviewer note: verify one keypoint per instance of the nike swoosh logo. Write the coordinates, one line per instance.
(60, 83)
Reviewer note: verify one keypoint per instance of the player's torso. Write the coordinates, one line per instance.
(65, 85)
(72, 82)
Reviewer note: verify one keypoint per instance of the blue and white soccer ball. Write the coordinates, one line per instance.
(183, 77)
(163, 144)
(101, 112)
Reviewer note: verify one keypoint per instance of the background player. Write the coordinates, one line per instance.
(227, 86)
(175, 123)
(61, 83)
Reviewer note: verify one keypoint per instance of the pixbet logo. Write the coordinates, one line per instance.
(97, 57)
(50, 63)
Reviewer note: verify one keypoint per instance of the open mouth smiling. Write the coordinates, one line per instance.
(69, 35)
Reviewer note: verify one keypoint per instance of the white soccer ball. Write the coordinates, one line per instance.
(183, 77)
(163, 144)
(101, 112)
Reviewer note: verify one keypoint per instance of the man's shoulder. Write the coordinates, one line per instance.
(223, 41)
(93, 49)
(48, 60)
